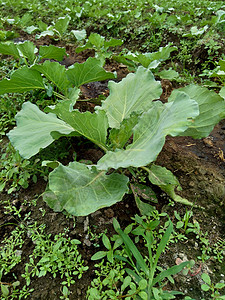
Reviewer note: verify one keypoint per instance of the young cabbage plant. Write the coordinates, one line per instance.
(130, 127)
(57, 30)
(49, 75)
(150, 60)
(98, 43)
(27, 53)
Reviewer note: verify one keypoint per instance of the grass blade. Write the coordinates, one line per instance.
(163, 242)
(171, 271)
(132, 248)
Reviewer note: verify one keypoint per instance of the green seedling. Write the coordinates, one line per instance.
(58, 257)
(150, 61)
(214, 289)
(57, 31)
(100, 45)
(184, 222)
(110, 281)
(145, 273)
(111, 249)
(145, 278)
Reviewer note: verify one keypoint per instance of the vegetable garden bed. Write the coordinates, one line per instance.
(112, 153)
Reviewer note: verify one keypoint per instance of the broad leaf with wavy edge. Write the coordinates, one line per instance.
(133, 94)
(89, 71)
(54, 72)
(9, 49)
(150, 132)
(52, 52)
(81, 190)
(22, 80)
(27, 49)
(211, 110)
(34, 129)
(91, 125)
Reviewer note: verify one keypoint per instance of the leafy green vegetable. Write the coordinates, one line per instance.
(166, 181)
(89, 71)
(9, 49)
(100, 45)
(54, 72)
(128, 118)
(148, 60)
(133, 94)
(119, 137)
(22, 80)
(62, 24)
(37, 127)
(81, 190)
(150, 132)
(211, 110)
(52, 52)
(27, 49)
(91, 125)
(79, 34)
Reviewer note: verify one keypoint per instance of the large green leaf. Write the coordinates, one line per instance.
(22, 80)
(166, 181)
(168, 74)
(27, 49)
(62, 24)
(133, 94)
(89, 71)
(91, 125)
(161, 55)
(150, 132)
(54, 72)
(148, 60)
(113, 42)
(222, 92)
(211, 108)
(9, 49)
(49, 32)
(52, 52)
(97, 40)
(34, 129)
(81, 190)
(79, 34)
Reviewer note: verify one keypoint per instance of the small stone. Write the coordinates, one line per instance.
(101, 221)
(79, 292)
(109, 213)
(202, 171)
(96, 213)
(80, 220)
(86, 224)
(87, 242)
